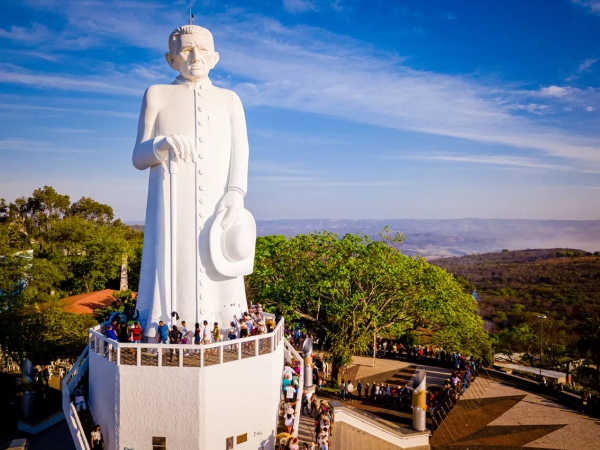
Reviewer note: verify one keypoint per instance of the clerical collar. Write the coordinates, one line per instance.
(203, 82)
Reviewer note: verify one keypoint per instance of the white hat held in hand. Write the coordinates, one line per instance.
(232, 249)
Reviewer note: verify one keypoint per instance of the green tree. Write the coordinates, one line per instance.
(352, 288)
(90, 251)
(589, 343)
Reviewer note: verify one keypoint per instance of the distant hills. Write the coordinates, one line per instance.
(439, 238)
(564, 283)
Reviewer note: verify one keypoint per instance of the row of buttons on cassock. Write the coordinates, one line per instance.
(200, 131)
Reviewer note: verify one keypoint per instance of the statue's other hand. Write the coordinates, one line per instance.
(233, 202)
(176, 143)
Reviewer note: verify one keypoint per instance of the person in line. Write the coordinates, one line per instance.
(305, 404)
(294, 444)
(96, 439)
(289, 420)
(197, 334)
(205, 335)
(216, 332)
(359, 387)
(79, 395)
(46, 374)
(175, 338)
(162, 334)
(136, 333)
(110, 333)
(367, 387)
(350, 389)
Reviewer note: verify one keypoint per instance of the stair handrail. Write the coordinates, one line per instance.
(72, 379)
(290, 348)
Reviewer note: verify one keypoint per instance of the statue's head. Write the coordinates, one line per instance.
(192, 52)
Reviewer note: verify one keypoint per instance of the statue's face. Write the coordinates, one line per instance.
(195, 56)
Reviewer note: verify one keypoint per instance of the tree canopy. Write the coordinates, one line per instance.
(50, 248)
(350, 289)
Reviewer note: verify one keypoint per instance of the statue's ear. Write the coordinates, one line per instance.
(215, 58)
(170, 60)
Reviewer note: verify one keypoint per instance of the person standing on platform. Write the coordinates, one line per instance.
(359, 387)
(163, 333)
(350, 389)
(96, 439)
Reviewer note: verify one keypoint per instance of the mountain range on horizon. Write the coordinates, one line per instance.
(434, 238)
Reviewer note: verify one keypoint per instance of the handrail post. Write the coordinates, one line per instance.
(221, 354)
(138, 353)
(159, 350)
(118, 355)
(201, 356)
(180, 352)
(256, 346)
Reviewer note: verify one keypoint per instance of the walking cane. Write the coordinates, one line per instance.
(173, 212)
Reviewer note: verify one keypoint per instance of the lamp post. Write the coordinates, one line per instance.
(541, 341)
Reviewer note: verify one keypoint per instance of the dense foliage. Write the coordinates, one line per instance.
(515, 287)
(50, 248)
(350, 289)
(564, 284)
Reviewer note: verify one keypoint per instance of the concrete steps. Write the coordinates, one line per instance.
(347, 437)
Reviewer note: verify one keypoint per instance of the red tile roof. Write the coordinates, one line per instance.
(87, 303)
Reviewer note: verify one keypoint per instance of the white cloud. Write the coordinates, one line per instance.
(590, 109)
(499, 160)
(21, 106)
(18, 75)
(297, 6)
(555, 91)
(33, 35)
(585, 65)
(30, 145)
(592, 6)
(532, 108)
(312, 70)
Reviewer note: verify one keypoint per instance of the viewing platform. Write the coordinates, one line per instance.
(149, 392)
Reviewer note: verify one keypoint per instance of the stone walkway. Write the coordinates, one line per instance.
(497, 416)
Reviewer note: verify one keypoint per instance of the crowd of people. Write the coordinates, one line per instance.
(320, 411)
(378, 393)
(251, 323)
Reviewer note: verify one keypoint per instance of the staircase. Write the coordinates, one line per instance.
(347, 437)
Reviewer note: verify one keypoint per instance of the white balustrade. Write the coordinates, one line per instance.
(185, 355)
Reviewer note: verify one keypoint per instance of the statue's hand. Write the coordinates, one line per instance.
(178, 144)
(233, 202)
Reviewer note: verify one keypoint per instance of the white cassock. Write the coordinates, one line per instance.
(212, 119)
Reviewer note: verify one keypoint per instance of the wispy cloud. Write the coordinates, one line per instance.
(585, 65)
(32, 35)
(297, 6)
(71, 130)
(322, 182)
(20, 106)
(498, 160)
(18, 75)
(29, 145)
(312, 70)
(592, 6)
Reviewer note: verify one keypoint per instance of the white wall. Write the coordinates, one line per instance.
(243, 397)
(103, 387)
(194, 408)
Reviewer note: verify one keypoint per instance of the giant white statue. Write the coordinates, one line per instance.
(199, 240)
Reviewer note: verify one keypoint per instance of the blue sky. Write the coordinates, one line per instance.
(355, 109)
